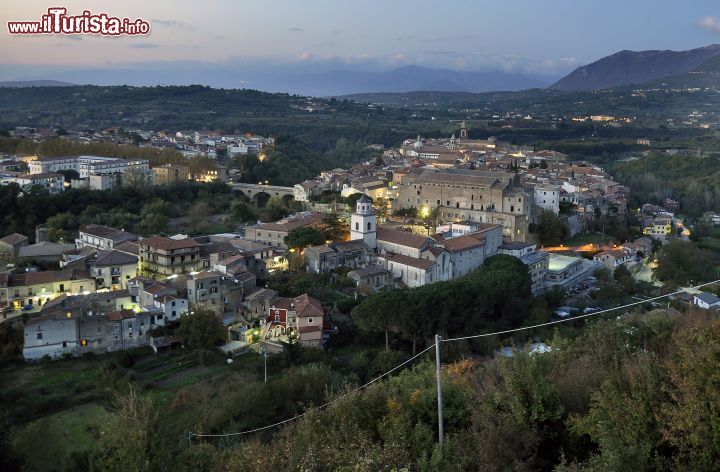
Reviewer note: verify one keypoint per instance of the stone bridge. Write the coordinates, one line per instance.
(260, 192)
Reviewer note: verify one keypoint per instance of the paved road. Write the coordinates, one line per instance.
(645, 274)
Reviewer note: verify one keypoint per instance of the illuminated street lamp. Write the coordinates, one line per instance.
(424, 212)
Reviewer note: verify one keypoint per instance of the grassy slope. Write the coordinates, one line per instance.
(58, 434)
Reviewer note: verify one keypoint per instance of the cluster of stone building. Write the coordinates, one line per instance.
(381, 257)
(113, 288)
(486, 181)
(104, 173)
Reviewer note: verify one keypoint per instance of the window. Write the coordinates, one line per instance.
(357, 226)
(39, 335)
(62, 287)
(369, 226)
(64, 343)
(309, 320)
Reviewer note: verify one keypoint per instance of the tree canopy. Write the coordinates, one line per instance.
(201, 329)
(683, 262)
(495, 296)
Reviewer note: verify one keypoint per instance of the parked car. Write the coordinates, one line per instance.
(27, 308)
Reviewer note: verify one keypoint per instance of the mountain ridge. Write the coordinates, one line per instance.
(635, 67)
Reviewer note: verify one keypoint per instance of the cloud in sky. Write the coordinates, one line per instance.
(171, 24)
(710, 23)
(297, 30)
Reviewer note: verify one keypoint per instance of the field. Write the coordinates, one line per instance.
(587, 238)
(59, 434)
(59, 404)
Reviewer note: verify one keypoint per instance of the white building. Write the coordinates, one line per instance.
(548, 198)
(706, 300)
(363, 223)
(412, 271)
(171, 306)
(87, 166)
(102, 237)
(50, 181)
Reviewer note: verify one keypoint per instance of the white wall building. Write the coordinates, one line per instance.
(363, 223)
(86, 166)
(548, 198)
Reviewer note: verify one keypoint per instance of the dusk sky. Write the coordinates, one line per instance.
(549, 37)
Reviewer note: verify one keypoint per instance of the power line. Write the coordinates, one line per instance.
(432, 346)
(586, 315)
(321, 406)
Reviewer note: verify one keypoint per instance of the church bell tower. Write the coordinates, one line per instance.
(363, 223)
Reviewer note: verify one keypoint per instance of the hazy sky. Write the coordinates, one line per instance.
(546, 37)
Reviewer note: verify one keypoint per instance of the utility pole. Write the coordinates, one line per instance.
(439, 390)
(264, 354)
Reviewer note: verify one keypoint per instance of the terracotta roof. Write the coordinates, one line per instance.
(159, 242)
(106, 232)
(129, 247)
(232, 260)
(120, 315)
(323, 249)
(283, 303)
(155, 288)
(249, 246)
(13, 239)
(291, 223)
(617, 254)
(423, 264)
(261, 293)
(206, 275)
(113, 258)
(462, 243)
(401, 238)
(45, 277)
(306, 306)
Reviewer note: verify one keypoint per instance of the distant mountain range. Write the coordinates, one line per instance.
(696, 67)
(35, 83)
(630, 67)
(299, 80)
(416, 78)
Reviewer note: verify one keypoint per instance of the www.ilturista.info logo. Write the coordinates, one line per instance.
(57, 21)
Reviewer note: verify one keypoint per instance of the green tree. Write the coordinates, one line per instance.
(274, 210)
(61, 226)
(127, 437)
(683, 263)
(154, 223)
(201, 329)
(304, 237)
(550, 230)
(623, 276)
(335, 229)
(241, 212)
(381, 208)
(198, 217)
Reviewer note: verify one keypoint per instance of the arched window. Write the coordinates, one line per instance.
(369, 226)
(357, 226)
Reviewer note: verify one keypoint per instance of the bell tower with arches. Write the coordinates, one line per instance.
(363, 223)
